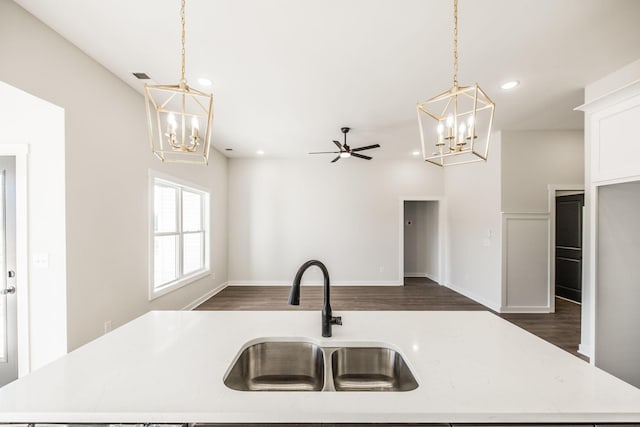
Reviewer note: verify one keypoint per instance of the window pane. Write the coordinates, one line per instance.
(165, 260)
(193, 252)
(191, 211)
(165, 209)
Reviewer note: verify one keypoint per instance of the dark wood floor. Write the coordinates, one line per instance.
(561, 328)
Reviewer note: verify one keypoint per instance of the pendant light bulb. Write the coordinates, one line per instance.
(171, 122)
(462, 129)
(449, 121)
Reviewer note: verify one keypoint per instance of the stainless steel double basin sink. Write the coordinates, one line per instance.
(305, 366)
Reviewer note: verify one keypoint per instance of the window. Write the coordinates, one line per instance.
(179, 238)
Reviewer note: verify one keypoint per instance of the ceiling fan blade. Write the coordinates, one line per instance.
(368, 147)
(325, 152)
(338, 144)
(360, 155)
(335, 160)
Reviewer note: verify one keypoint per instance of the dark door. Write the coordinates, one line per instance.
(569, 246)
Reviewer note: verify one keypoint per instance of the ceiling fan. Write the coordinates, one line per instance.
(346, 151)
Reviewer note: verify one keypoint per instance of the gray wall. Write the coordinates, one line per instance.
(105, 168)
(531, 160)
(618, 281)
(421, 239)
(473, 228)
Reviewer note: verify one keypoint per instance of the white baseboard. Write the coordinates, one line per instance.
(525, 309)
(433, 278)
(586, 351)
(568, 300)
(420, 275)
(429, 276)
(203, 298)
(258, 283)
(473, 296)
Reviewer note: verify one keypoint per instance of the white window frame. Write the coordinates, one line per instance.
(182, 279)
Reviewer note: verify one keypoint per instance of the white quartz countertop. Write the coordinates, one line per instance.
(168, 366)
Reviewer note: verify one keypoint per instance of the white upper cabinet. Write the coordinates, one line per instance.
(612, 127)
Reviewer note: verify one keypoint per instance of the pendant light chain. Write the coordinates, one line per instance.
(179, 117)
(182, 38)
(455, 43)
(462, 119)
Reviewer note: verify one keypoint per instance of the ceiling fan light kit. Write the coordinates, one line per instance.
(455, 126)
(179, 117)
(345, 151)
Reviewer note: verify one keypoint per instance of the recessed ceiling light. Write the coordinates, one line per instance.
(204, 82)
(510, 84)
(259, 152)
(416, 153)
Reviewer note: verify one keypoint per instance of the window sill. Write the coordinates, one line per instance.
(172, 286)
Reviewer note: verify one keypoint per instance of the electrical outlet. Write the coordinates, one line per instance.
(107, 326)
(213, 275)
(41, 260)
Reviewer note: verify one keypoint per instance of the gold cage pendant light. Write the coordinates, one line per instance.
(455, 126)
(179, 117)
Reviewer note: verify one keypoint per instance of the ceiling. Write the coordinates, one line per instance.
(287, 74)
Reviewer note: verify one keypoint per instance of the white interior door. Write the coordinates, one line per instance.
(8, 300)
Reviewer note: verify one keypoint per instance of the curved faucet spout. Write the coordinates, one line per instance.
(294, 296)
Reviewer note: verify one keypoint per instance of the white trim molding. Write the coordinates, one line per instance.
(181, 186)
(553, 191)
(442, 244)
(21, 153)
(586, 351)
(193, 304)
(473, 296)
(429, 276)
(529, 271)
(309, 283)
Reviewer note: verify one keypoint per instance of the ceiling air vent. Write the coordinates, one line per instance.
(141, 76)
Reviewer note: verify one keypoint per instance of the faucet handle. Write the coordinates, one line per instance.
(336, 320)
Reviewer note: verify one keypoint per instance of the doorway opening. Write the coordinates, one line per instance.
(569, 246)
(422, 255)
(8, 299)
(566, 205)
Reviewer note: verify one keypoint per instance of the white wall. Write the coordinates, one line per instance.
(531, 160)
(283, 212)
(421, 239)
(38, 124)
(107, 159)
(473, 223)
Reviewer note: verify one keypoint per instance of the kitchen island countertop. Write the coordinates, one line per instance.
(168, 366)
